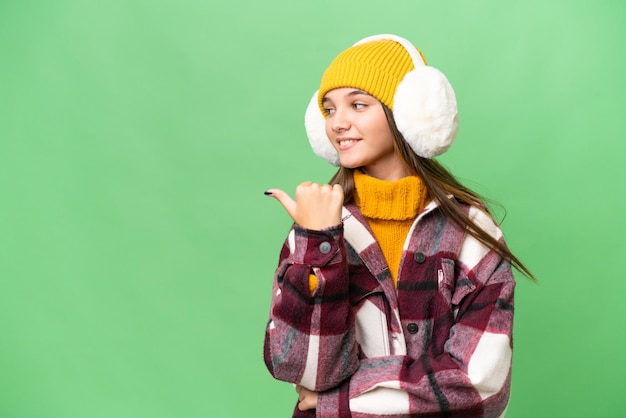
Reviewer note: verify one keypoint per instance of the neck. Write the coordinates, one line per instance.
(388, 172)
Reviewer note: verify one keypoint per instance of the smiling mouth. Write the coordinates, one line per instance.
(345, 143)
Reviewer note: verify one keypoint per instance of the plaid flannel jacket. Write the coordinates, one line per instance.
(438, 344)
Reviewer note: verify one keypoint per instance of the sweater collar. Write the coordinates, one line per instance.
(398, 200)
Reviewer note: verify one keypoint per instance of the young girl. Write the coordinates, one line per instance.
(394, 291)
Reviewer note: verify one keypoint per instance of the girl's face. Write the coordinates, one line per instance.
(358, 129)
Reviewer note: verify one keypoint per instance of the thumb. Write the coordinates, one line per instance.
(284, 199)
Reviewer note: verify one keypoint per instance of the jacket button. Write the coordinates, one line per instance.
(412, 328)
(325, 247)
(419, 257)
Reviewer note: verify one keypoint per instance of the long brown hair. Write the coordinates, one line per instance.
(440, 184)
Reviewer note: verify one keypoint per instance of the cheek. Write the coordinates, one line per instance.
(384, 135)
(327, 128)
(329, 133)
(378, 123)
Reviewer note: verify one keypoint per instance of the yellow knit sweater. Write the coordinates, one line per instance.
(390, 207)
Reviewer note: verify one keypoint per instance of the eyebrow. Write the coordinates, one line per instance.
(355, 92)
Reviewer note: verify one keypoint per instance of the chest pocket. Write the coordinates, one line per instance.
(454, 285)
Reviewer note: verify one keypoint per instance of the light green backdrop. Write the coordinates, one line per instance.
(137, 138)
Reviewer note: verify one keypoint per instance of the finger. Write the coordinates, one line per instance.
(302, 406)
(305, 187)
(324, 188)
(305, 405)
(284, 199)
(339, 194)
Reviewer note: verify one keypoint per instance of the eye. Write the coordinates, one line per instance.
(359, 106)
(328, 111)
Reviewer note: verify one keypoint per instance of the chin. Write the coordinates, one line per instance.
(350, 163)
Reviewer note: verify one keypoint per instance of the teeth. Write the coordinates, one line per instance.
(346, 141)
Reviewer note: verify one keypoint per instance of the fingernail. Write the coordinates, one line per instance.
(267, 193)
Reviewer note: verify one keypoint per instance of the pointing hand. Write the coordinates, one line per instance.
(316, 206)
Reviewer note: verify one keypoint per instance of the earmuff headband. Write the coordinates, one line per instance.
(424, 107)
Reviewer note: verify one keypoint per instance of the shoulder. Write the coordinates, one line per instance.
(478, 214)
(484, 221)
(470, 251)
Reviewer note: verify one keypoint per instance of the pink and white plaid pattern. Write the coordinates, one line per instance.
(439, 344)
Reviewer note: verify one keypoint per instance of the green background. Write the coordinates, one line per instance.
(137, 138)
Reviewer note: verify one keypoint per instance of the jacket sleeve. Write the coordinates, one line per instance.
(310, 336)
(470, 378)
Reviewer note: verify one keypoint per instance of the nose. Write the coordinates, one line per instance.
(339, 121)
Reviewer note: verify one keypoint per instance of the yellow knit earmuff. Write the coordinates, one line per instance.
(421, 98)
